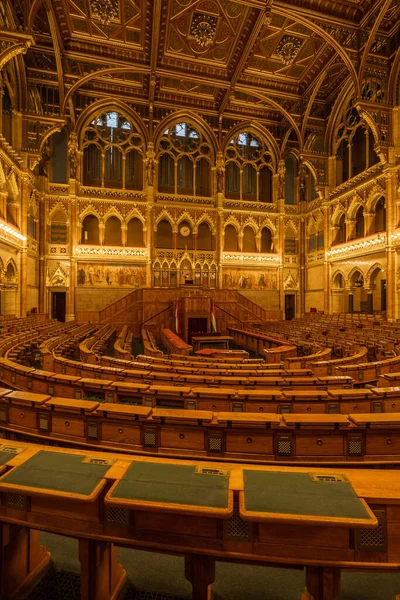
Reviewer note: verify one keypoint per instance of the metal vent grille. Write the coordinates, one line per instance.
(284, 409)
(354, 445)
(374, 540)
(236, 529)
(110, 397)
(150, 438)
(3, 415)
(29, 384)
(328, 477)
(92, 431)
(377, 407)
(78, 395)
(17, 501)
(50, 390)
(44, 422)
(215, 444)
(117, 516)
(333, 408)
(237, 406)
(360, 375)
(191, 405)
(211, 471)
(147, 401)
(284, 445)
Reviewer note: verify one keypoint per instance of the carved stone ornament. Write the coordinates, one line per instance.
(59, 277)
(291, 282)
(73, 155)
(105, 10)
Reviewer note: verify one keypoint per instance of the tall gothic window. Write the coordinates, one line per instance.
(248, 173)
(113, 153)
(184, 165)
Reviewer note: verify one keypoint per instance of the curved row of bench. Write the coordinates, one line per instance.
(245, 436)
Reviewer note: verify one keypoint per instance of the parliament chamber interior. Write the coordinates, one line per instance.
(199, 299)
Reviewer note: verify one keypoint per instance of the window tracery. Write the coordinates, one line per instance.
(248, 168)
(113, 152)
(185, 157)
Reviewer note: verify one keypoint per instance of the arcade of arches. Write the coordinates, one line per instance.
(263, 158)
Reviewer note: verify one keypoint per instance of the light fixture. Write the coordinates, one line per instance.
(105, 10)
(203, 29)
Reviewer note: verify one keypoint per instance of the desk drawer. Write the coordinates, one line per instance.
(319, 445)
(121, 432)
(266, 407)
(355, 406)
(312, 407)
(252, 443)
(68, 426)
(391, 406)
(217, 405)
(382, 443)
(182, 438)
(22, 417)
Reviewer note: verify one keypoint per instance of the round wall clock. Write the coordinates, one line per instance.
(185, 230)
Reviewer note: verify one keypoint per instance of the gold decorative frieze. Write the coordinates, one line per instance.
(245, 258)
(361, 246)
(171, 198)
(108, 251)
(10, 233)
(57, 249)
(111, 194)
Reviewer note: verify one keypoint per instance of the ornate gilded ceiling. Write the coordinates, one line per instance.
(279, 62)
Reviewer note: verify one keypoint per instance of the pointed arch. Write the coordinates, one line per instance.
(186, 115)
(372, 272)
(257, 130)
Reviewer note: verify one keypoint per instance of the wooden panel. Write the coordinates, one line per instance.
(121, 432)
(219, 405)
(182, 438)
(64, 391)
(182, 524)
(68, 426)
(313, 535)
(382, 443)
(312, 407)
(267, 407)
(253, 442)
(23, 417)
(393, 525)
(391, 405)
(319, 445)
(361, 406)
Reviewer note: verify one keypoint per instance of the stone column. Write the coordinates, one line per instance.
(350, 229)
(392, 308)
(42, 254)
(124, 233)
(25, 192)
(302, 266)
(101, 233)
(73, 240)
(370, 302)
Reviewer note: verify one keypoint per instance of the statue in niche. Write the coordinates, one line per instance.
(220, 171)
(73, 155)
(302, 182)
(44, 160)
(150, 163)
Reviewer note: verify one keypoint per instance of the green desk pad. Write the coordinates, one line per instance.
(6, 456)
(57, 472)
(172, 484)
(297, 494)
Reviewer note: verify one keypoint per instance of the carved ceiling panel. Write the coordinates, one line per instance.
(108, 20)
(205, 30)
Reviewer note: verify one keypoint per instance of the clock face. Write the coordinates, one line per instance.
(185, 230)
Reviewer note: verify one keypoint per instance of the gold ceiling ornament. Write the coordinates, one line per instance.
(203, 29)
(288, 48)
(105, 10)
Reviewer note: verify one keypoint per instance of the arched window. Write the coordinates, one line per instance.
(248, 174)
(249, 240)
(164, 235)
(90, 230)
(58, 228)
(134, 235)
(112, 232)
(359, 229)
(290, 241)
(204, 237)
(11, 275)
(290, 174)
(266, 240)
(109, 139)
(380, 215)
(184, 164)
(341, 232)
(7, 115)
(359, 151)
(231, 239)
(320, 240)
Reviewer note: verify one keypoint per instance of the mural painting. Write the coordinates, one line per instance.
(106, 275)
(250, 280)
